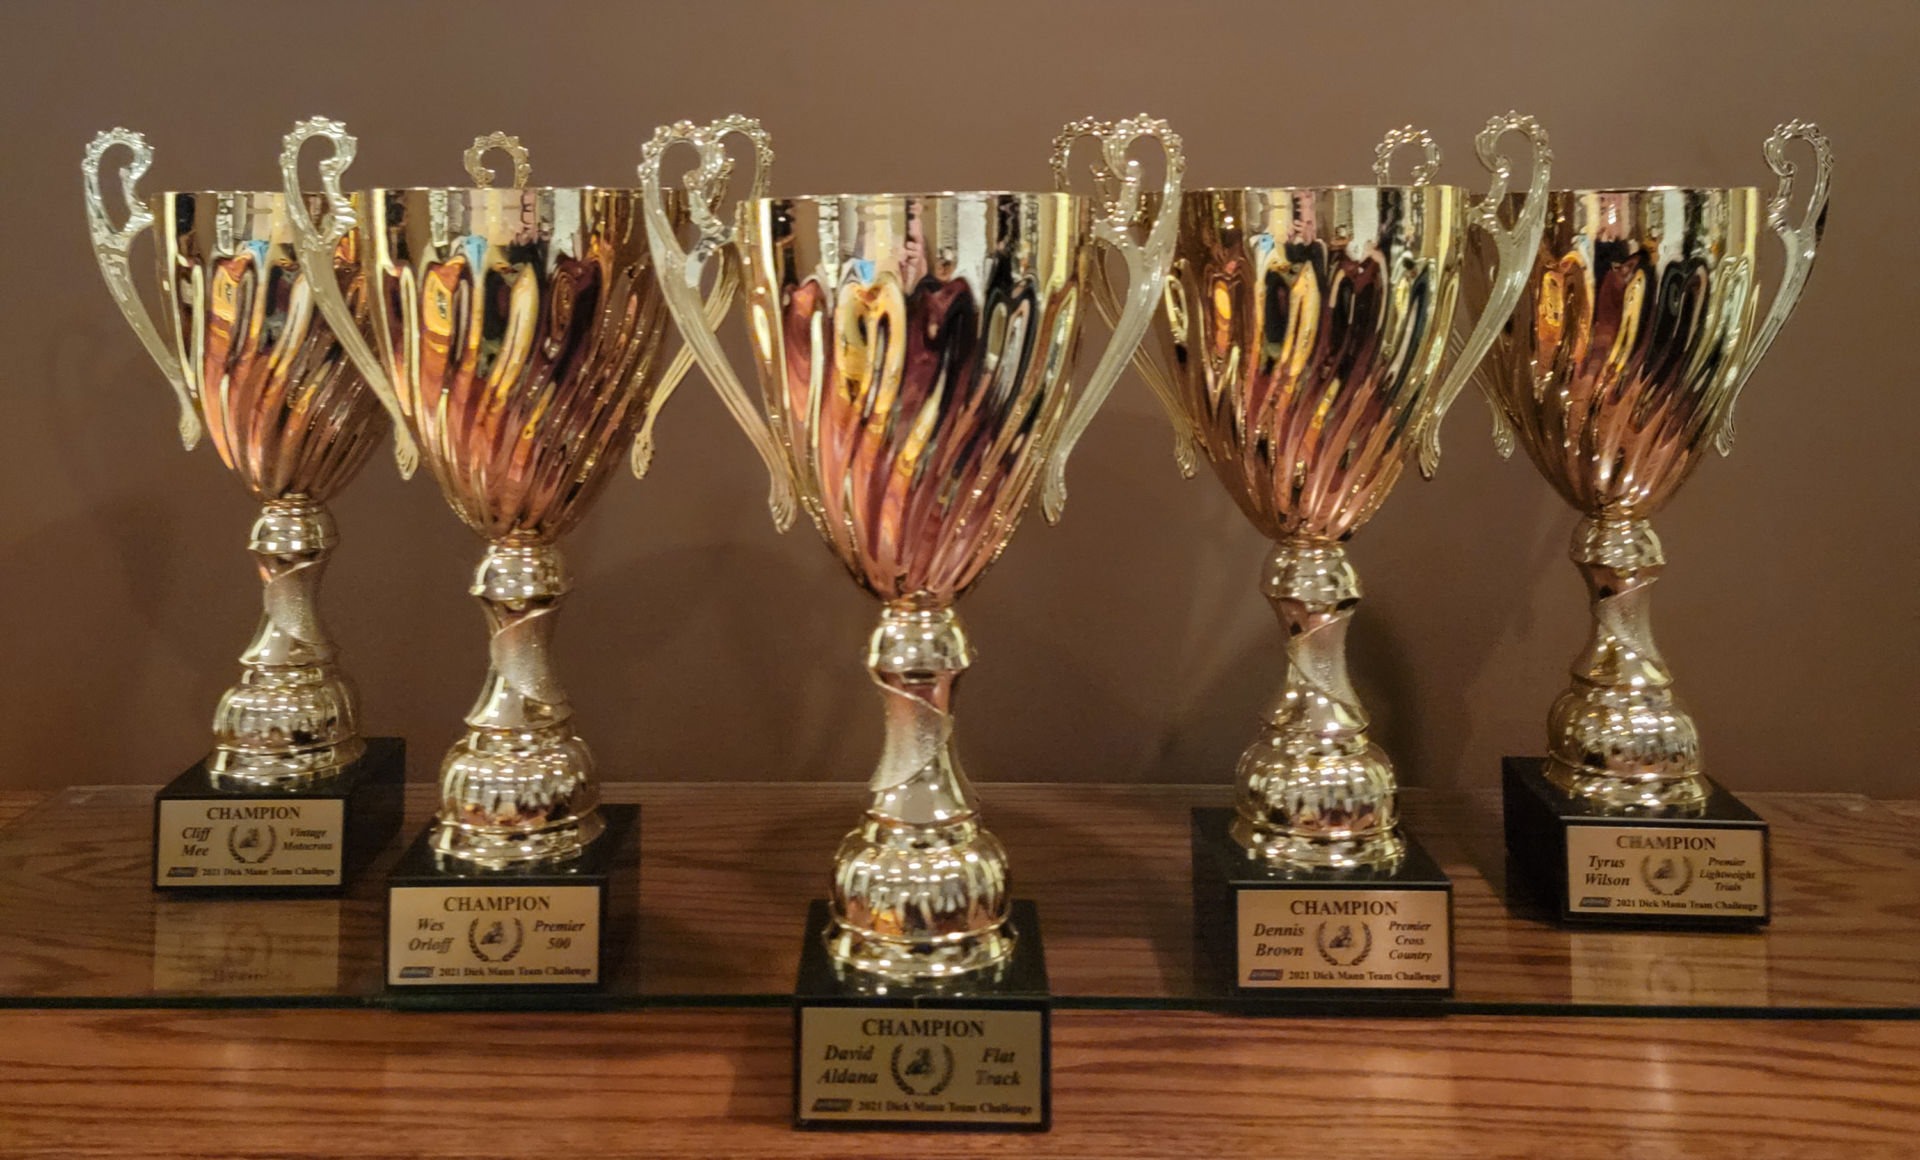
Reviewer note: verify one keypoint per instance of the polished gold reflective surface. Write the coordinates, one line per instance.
(519, 334)
(256, 368)
(1300, 350)
(1634, 335)
(916, 356)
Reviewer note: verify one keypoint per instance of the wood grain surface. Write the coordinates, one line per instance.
(1126, 1084)
(727, 870)
(14, 802)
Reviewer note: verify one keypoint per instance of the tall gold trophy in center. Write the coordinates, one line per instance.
(916, 355)
(1301, 353)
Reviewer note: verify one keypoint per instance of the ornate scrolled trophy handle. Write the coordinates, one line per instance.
(1186, 437)
(679, 272)
(1117, 184)
(1398, 139)
(110, 249)
(481, 175)
(315, 243)
(1801, 243)
(726, 284)
(1515, 247)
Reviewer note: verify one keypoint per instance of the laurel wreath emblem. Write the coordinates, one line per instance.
(1366, 948)
(233, 846)
(473, 942)
(900, 1079)
(1646, 876)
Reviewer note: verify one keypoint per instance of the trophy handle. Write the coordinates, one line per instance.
(510, 145)
(1117, 184)
(316, 243)
(1397, 139)
(1516, 249)
(1106, 300)
(679, 273)
(1801, 242)
(726, 284)
(110, 249)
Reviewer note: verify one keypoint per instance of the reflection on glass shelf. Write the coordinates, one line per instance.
(727, 871)
(1668, 969)
(246, 947)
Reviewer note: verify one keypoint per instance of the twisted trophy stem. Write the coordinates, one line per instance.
(1315, 791)
(1618, 737)
(920, 887)
(290, 722)
(518, 789)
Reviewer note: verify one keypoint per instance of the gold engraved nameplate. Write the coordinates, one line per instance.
(1320, 938)
(249, 842)
(493, 935)
(923, 1065)
(1673, 871)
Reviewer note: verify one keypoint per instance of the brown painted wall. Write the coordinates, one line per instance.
(1129, 644)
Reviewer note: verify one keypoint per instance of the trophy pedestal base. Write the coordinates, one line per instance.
(971, 1053)
(457, 928)
(212, 842)
(1708, 871)
(1316, 935)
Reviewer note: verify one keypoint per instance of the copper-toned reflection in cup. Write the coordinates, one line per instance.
(1300, 351)
(519, 333)
(261, 372)
(916, 356)
(1620, 367)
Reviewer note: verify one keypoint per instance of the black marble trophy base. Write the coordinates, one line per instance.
(458, 932)
(972, 1053)
(1319, 936)
(212, 843)
(1707, 871)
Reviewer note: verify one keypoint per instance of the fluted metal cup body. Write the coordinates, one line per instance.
(522, 330)
(287, 413)
(1615, 376)
(917, 370)
(1302, 336)
(282, 404)
(1305, 327)
(916, 357)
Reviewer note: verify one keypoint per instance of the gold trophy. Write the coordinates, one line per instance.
(916, 355)
(1633, 337)
(519, 336)
(291, 798)
(1301, 350)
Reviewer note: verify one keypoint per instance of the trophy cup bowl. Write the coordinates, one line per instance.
(915, 355)
(1300, 347)
(1632, 339)
(519, 332)
(260, 371)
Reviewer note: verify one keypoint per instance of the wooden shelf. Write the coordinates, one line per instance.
(727, 871)
(1110, 875)
(715, 1083)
